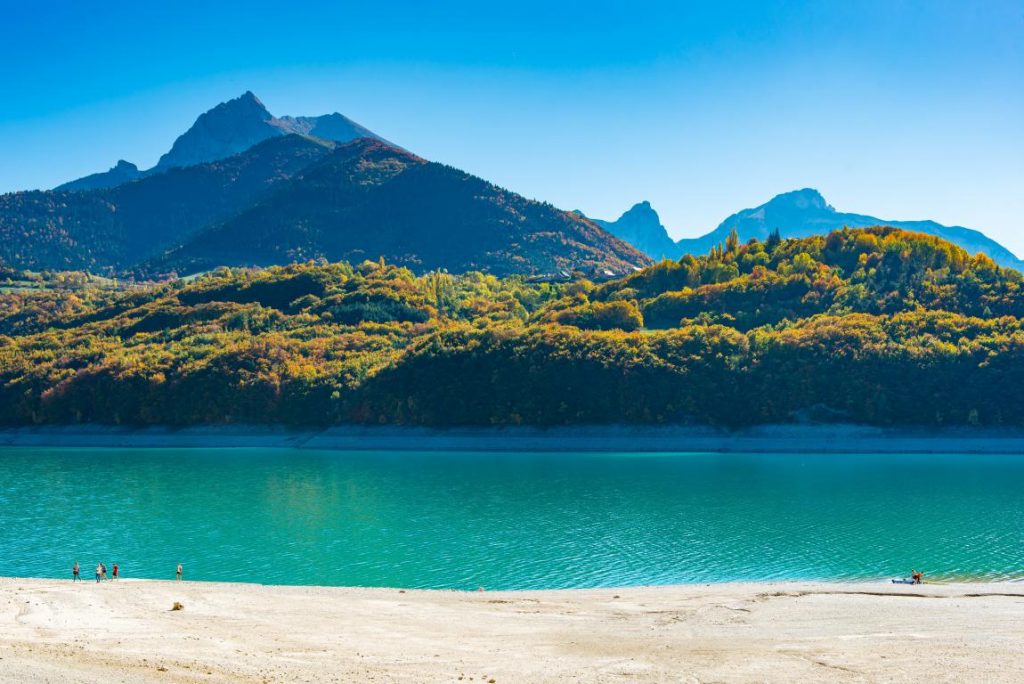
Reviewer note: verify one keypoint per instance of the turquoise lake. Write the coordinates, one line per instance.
(508, 520)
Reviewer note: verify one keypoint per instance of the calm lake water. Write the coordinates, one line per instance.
(508, 520)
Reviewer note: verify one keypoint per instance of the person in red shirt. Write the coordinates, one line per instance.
(115, 570)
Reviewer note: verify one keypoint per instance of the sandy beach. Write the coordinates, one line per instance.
(55, 631)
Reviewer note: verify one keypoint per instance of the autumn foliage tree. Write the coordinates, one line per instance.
(876, 326)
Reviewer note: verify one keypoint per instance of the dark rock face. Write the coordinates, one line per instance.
(229, 128)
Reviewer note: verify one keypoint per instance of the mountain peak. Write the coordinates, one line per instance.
(802, 213)
(641, 227)
(227, 129)
(246, 104)
(249, 96)
(805, 198)
(641, 211)
(336, 127)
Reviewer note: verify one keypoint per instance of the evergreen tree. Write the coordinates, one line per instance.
(732, 243)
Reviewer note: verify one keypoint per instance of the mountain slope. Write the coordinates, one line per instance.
(336, 127)
(111, 229)
(641, 227)
(121, 172)
(226, 130)
(369, 199)
(802, 213)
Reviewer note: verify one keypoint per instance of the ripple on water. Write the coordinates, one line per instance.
(464, 520)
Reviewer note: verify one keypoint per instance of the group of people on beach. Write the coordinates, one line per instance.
(101, 572)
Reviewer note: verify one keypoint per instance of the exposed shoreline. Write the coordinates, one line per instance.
(54, 630)
(774, 438)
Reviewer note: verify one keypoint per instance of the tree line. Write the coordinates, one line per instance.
(877, 326)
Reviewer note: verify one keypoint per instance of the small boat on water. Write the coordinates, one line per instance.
(903, 580)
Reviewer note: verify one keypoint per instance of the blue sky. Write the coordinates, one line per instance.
(900, 109)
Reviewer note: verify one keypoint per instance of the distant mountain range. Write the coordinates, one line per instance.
(243, 188)
(227, 129)
(800, 213)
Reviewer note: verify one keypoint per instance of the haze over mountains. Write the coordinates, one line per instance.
(800, 213)
(243, 188)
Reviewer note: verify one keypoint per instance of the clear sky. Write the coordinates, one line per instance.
(901, 109)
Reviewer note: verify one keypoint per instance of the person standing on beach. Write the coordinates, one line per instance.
(103, 571)
(178, 574)
(99, 572)
(74, 572)
(114, 576)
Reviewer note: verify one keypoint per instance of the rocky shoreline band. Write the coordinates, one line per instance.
(799, 438)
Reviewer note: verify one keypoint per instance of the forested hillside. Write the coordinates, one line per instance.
(368, 199)
(872, 325)
(110, 230)
(292, 198)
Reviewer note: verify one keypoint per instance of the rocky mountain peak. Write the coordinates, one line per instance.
(641, 211)
(806, 198)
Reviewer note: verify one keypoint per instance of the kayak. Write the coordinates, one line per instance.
(903, 581)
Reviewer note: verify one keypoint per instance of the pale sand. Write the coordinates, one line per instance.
(54, 631)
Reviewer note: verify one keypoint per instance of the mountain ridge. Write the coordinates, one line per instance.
(798, 213)
(293, 198)
(370, 199)
(109, 229)
(225, 130)
(121, 172)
